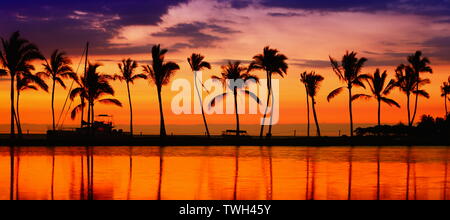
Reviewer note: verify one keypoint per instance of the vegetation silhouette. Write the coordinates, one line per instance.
(197, 63)
(235, 77)
(445, 91)
(380, 90)
(312, 83)
(273, 63)
(57, 69)
(303, 79)
(349, 72)
(127, 74)
(408, 82)
(16, 56)
(160, 72)
(418, 65)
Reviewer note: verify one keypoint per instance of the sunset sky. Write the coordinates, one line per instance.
(307, 32)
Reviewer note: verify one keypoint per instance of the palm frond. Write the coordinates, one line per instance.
(217, 99)
(390, 102)
(360, 96)
(110, 102)
(334, 93)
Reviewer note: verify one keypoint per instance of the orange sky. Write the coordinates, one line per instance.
(385, 38)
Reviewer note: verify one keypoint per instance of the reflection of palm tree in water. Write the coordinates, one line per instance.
(378, 173)
(11, 186)
(236, 174)
(161, 163)
(17, 174)
(82, 179)
(53, 174)
(446, 174)
(408, 171)
(350, 173)
(90, 172)
(130, 179)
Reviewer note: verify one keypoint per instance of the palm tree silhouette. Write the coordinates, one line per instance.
(16, 56)
(408, 81)
(127, 68)
(93, 87)
(58, 68)
(312, 83)
(235, 76)
(445, 89)
(419, 65)
(197, 63)
(349, 72)
(272, 62)
(303, 79)
(27, 81)
(160, 73)
(380, 90)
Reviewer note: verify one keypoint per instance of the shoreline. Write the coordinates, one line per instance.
(41, 140)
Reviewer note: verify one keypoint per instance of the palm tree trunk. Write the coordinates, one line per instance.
(350, 103)
(307, 105)
(19, 126)
(315, 116)
(89, 115)
(445, 99)
(269, 134)
(92, 117)
(131, 110)
(82, 112)
(415, 106)
(409, 110)
(201, 105)
(238, 129)
(53, 105)
(261, 134)
(161, 114)
(12, 105)
(379, 112)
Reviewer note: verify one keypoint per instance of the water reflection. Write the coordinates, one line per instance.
(229, 173)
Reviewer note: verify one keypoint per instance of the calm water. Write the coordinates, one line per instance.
(224, 173)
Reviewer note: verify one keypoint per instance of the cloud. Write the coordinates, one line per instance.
(438, 47)
(198, 34)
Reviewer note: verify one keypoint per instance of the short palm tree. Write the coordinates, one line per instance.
(408, 81)
(303, 79)
(197, 63)
(127, 74)
(93, 87)
(445, 89)
(312, 83)
(235, 76)
(27, 81)
(419, 65)
(160, 72)
(16, 56)
(380, 90)
(349, 72)
(273, 63)
(57, 69)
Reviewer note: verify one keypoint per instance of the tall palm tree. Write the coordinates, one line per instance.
(58, 68)
(93, 87)
(197, 63)
(231, 75)
(349, 72)
(303, 79)
(127, 68)
(408, 81)
(160, 72)
(419, 65)
(445, 89)
(16, 56)
(380, 90)
(27, 81)
(273, 63)
(312, 83)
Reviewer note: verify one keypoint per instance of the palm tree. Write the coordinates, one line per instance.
(127, 68)
(312, 83)
(16, 56)
(445, 89)
(93, 87)
(419, 65)
(349, 72)
(303, 79)
(58, 68)
(27, 81)
(380, 90)
(197, 63)
(273, 63)
(160, 72)
(408, 81)
(235, 77)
